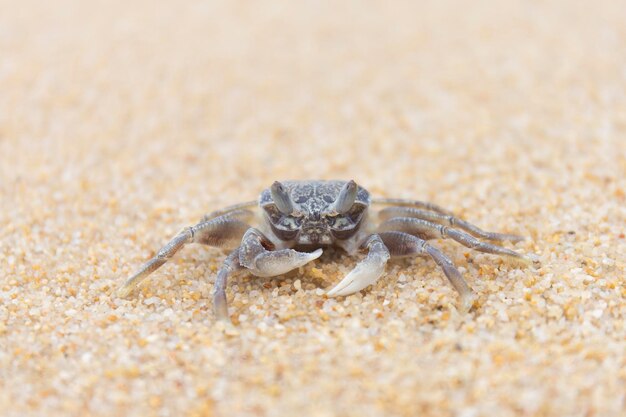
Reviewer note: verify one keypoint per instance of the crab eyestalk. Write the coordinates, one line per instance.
(346, 198)
(281, 198)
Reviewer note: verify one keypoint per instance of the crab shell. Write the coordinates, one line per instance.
(313, 221)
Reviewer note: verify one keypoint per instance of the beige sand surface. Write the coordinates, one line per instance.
(122, 122)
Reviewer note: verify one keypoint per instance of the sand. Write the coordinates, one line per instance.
(122, 122)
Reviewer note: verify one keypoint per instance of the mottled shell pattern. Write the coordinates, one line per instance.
(313, 220)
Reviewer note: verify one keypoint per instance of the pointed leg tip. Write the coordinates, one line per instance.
(226, 326)
(529, 260)
(523, 260)
(533, 260)
(220, 308)
(124, 291)
(466, 303)
(223, 320)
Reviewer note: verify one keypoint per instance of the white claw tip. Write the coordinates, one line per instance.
(332, 292)
(363, 275)
(315, 254)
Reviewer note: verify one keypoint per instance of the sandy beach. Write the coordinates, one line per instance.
(123, 122)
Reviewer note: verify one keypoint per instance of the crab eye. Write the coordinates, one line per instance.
(344, 226)
(284, 226)
(346, 221)
(338, 222)
(283, 221)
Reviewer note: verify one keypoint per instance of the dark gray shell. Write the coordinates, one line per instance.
(314, 195)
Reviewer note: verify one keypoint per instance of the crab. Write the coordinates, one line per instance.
(296, 220)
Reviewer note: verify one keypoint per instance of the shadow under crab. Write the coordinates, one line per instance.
(292, 222)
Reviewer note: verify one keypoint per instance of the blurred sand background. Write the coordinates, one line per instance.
(122, 122)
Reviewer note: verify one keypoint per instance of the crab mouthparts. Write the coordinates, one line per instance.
(314, 237)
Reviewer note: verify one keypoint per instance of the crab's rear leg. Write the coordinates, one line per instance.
(402, 202)
(231, 211)
(222, 232)
(428, 230)
(403, 245)
(447, 220)
(366, 272)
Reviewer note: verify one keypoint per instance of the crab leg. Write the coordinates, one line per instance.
(411, 203)
(428, 230)
(366, 272)
(257, 254)
(230, 210)
(445, 219)
(403, 244)
(220, 305)
(223, 232)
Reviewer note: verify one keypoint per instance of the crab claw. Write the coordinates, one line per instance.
(363, 275)
(272, 263)
(257, 255)
(366, 272)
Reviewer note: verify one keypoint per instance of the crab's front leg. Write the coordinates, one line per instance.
(257, 254)
(220, 305)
